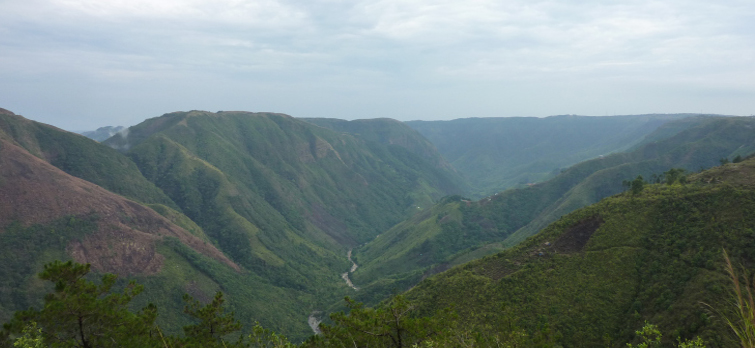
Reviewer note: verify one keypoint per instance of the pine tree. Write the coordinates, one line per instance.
(213, 324)
(82, 314)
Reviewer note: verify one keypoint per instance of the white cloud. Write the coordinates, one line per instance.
(440, 52)
(244, 13)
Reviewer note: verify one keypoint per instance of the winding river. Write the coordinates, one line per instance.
(312, 320)
(345, 275)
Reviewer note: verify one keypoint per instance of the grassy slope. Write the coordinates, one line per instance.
(507, 218)
(282, 197)
(499, 153)
(596, 274)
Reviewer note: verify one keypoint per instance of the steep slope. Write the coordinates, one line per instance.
(594, 276)
(81, 157)
(284, 198)
(499, 153)
(440, 237)
(386, 132)
(47, 214)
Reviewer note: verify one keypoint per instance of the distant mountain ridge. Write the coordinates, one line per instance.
(503, 152)
(102, 133)
(388, 132)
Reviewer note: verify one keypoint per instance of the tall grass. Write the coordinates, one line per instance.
(742, 321)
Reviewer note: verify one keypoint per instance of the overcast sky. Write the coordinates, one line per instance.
(80, 64)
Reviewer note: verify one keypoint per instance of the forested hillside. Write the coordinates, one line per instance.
(266, 208)
(281, 201)
(439, 237)
(388, 131)
(284, 198)
(646, 266)
(499, 153)
(594, 276)
(48, 214)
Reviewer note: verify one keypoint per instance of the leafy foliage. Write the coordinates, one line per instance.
(31, 337)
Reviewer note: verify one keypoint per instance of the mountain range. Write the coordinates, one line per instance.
(272, 209)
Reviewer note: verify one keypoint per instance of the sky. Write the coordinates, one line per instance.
(82, 64)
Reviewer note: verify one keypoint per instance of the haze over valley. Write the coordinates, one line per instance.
(377, 173)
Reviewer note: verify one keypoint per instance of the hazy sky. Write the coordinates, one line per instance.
(80, 64)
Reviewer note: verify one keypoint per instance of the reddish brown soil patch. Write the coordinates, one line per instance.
(576, 237)
(34, 192)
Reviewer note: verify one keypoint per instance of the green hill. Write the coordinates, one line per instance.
(386, 131)
(456, 230)
(48, 214)
(594, 276)
(279, 201)
(284, 198)
(499, 153)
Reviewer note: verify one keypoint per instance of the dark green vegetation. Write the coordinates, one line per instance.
(500, 153)
(40, 245)
(458, 230)
(87, 314)
(595, 275)
(80, 313)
